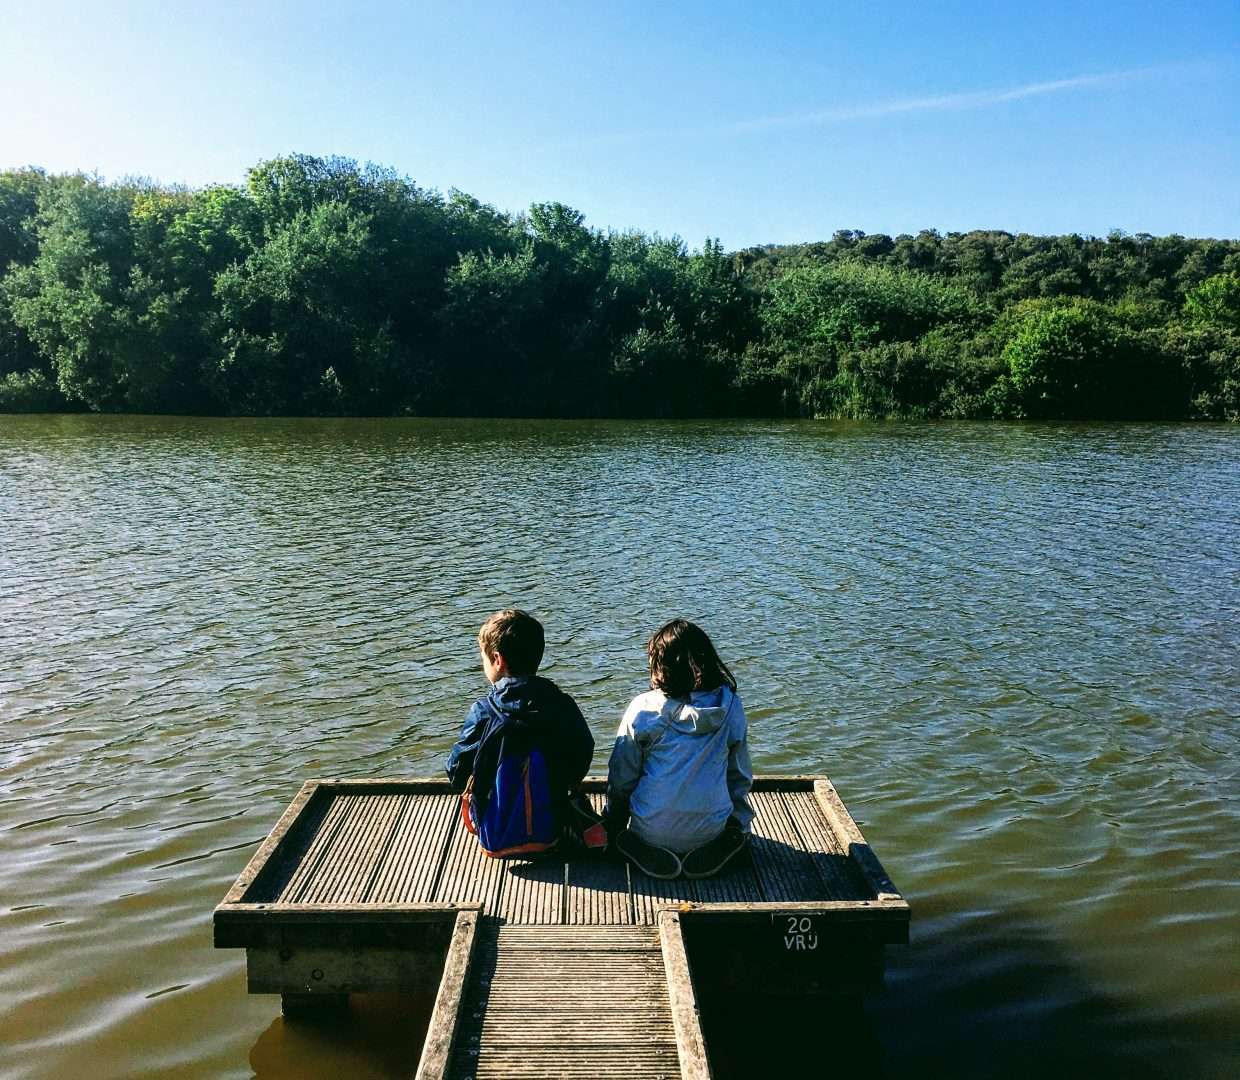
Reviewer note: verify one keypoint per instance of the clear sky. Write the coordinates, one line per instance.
(754, 122)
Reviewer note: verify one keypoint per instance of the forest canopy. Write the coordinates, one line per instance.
(325, 287)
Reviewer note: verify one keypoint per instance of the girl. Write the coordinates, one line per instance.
(679, 776)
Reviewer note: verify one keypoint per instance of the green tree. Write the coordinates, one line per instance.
(1216, 301)
(491, 329)
(70, 300)
(299, 334)
(1208, 357)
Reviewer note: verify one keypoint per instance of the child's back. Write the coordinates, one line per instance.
(525, 732)
(685, 764)
(533, 713)
(679, 777)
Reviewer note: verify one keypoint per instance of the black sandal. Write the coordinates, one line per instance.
(650, 859)
(714, 855)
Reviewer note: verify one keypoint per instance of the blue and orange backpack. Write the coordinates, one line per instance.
(516, 818)
(508, 803)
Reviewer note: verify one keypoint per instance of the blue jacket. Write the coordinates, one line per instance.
(531, 709)
(680, 768)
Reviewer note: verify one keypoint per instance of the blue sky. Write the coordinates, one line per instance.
(754, 122)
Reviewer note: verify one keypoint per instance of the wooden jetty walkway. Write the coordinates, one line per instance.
(553, 967)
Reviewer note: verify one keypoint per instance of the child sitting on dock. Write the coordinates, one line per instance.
(524, 748)
(679, 777)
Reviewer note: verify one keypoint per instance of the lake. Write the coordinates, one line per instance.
(1014, 648)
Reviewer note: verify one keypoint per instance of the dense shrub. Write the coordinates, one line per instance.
(28, 391)
(1077, 360)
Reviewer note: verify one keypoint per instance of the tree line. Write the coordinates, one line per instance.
(325, 287)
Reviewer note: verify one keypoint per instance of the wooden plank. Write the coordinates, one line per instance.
(840, 875)
(785, 871)
(327, 834)
(420, 843)
(784, 782)
(846, 910)
(571, 1001)
(738, 881)
(655, 1061)
(235, 913)
(865, 921)
(597, 892)
(343, 878)
(597, 889)
(331, 788)
(401, 808)
(525, 940)
(650, 895)
(853, 842)
(365, 832)
(336, 842)
(367, 850)
(389, 785)
(690, 1045)
(268, 849)
(468, 874)
(327, 969)
(532, 891)
(261, 925)
(597, 783)
(445, 1016)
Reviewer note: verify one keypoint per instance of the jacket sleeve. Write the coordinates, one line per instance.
(624, 769)
(460, 766)
(740, 771)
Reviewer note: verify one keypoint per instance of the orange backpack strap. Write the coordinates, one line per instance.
(467, 818)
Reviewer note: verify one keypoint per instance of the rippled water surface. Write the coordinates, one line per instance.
(1013, 648)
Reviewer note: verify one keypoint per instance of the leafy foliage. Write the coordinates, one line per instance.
(327, 287)
(1216, 302)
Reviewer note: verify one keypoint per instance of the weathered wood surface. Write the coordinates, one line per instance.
(569, 1001)
(553, 967)
(446, 1016)
(690, 1045)
(349, 847)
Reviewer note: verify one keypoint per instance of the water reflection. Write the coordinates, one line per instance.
(993, 991)
(379, 1036)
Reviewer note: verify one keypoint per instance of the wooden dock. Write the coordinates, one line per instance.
(553, 967)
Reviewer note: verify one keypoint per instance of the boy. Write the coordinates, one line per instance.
(522, 707)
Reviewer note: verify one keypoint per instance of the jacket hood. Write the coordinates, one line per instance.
(705, 712)
(526, 701)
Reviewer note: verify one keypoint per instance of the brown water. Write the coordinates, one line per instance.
(1014, 648)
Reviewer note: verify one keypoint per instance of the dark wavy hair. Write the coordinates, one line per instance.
(682, 659)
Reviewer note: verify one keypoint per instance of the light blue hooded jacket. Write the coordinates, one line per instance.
(681, 767)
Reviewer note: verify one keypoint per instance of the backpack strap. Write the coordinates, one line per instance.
(467, 817)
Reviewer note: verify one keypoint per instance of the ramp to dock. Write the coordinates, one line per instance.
(562, 1001)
